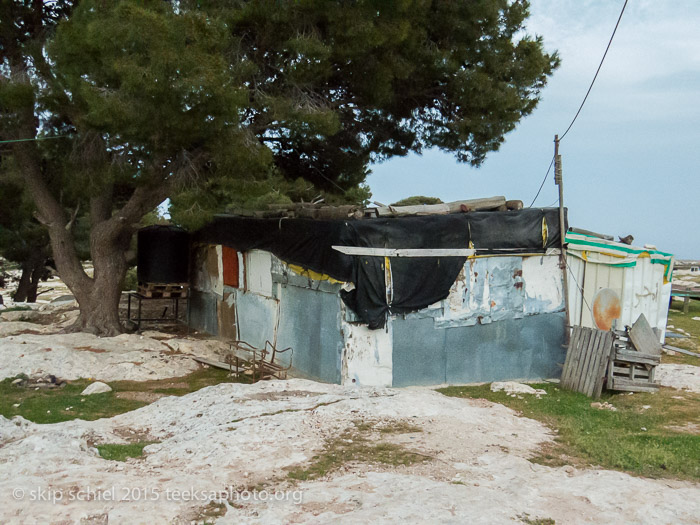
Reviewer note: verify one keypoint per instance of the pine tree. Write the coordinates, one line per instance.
(208, 100)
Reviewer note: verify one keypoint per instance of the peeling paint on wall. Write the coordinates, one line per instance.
(542, 278)
(208, 272)
(367, 355)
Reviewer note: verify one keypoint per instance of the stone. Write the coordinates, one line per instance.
(512, 388)
(98, 387)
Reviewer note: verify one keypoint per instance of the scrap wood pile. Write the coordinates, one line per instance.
(319, 210)
(619, 360)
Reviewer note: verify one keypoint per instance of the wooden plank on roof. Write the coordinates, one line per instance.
(420, 209)
(488, 203)
(643, 337)
(404, 252)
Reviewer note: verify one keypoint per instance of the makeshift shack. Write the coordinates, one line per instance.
(611, 283)
(406, 300)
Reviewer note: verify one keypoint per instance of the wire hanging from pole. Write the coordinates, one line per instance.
(543, 181)
(597, 71)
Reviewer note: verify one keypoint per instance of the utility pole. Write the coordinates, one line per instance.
(558, 180)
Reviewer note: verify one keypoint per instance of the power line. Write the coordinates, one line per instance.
(35, 138)
(597, 71)
(584, 98)
(543, 181)
(583, 296)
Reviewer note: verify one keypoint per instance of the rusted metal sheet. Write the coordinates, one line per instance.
(227, 317)
(229, 258)
(606, 308)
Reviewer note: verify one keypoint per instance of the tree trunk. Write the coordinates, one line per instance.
(32, 270)
(98, 299)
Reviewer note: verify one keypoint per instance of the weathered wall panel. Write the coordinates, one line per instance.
(202, 312)
(258, 267)
(257, 318)
(207, 274)
(527, 348)
(227, 316)
(542, 281)
(419, 352)
(231, 270)
(310, 324)
(367, 355)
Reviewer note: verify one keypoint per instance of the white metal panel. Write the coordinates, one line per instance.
(258, 270)
(641, 290)
(575, 276)
(367, 356)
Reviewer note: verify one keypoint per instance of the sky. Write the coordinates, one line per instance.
(631, 162)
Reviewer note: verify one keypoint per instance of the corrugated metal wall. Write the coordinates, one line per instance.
(640, 289)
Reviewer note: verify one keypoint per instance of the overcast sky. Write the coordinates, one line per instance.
(631, 160)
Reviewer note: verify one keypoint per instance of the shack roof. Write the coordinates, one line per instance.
(418, 281)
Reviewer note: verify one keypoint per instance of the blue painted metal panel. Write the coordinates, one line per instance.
(202, 312)
(310, 324)
(528, 348)
(257, 318)
(418, 352)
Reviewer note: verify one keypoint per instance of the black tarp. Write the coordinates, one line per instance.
(417, 281)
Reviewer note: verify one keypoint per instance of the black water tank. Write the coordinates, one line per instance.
(163, 254)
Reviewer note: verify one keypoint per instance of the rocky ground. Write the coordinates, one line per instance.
(292, 451)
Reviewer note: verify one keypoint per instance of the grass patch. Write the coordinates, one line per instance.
(179, 386)
(64, 404)
(359, 444)
(633, 439)
(678, 319)
(118, 452)
(15, 309)
(525, 518)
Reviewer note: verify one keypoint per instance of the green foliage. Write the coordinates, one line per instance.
(122, 452)
(66, 403)
(131, 281)
(222, 104)
(231, 98)
(359, 444)
(646, 441)
(20, 234)
(417, 200)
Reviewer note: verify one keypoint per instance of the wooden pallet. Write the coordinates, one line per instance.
(636, 354)
(587, 361)
(163, 291)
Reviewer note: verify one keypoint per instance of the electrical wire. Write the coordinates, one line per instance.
(35, 138)
(622, 11)
(543, 181)
(583, 297)
(597, 71)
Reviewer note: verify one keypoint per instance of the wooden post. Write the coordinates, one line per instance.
(558, 180)
(686, 304)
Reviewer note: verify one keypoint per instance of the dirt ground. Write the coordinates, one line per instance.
(237, 453)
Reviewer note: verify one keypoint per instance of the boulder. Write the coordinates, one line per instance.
(98, 387)
(511, 387)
